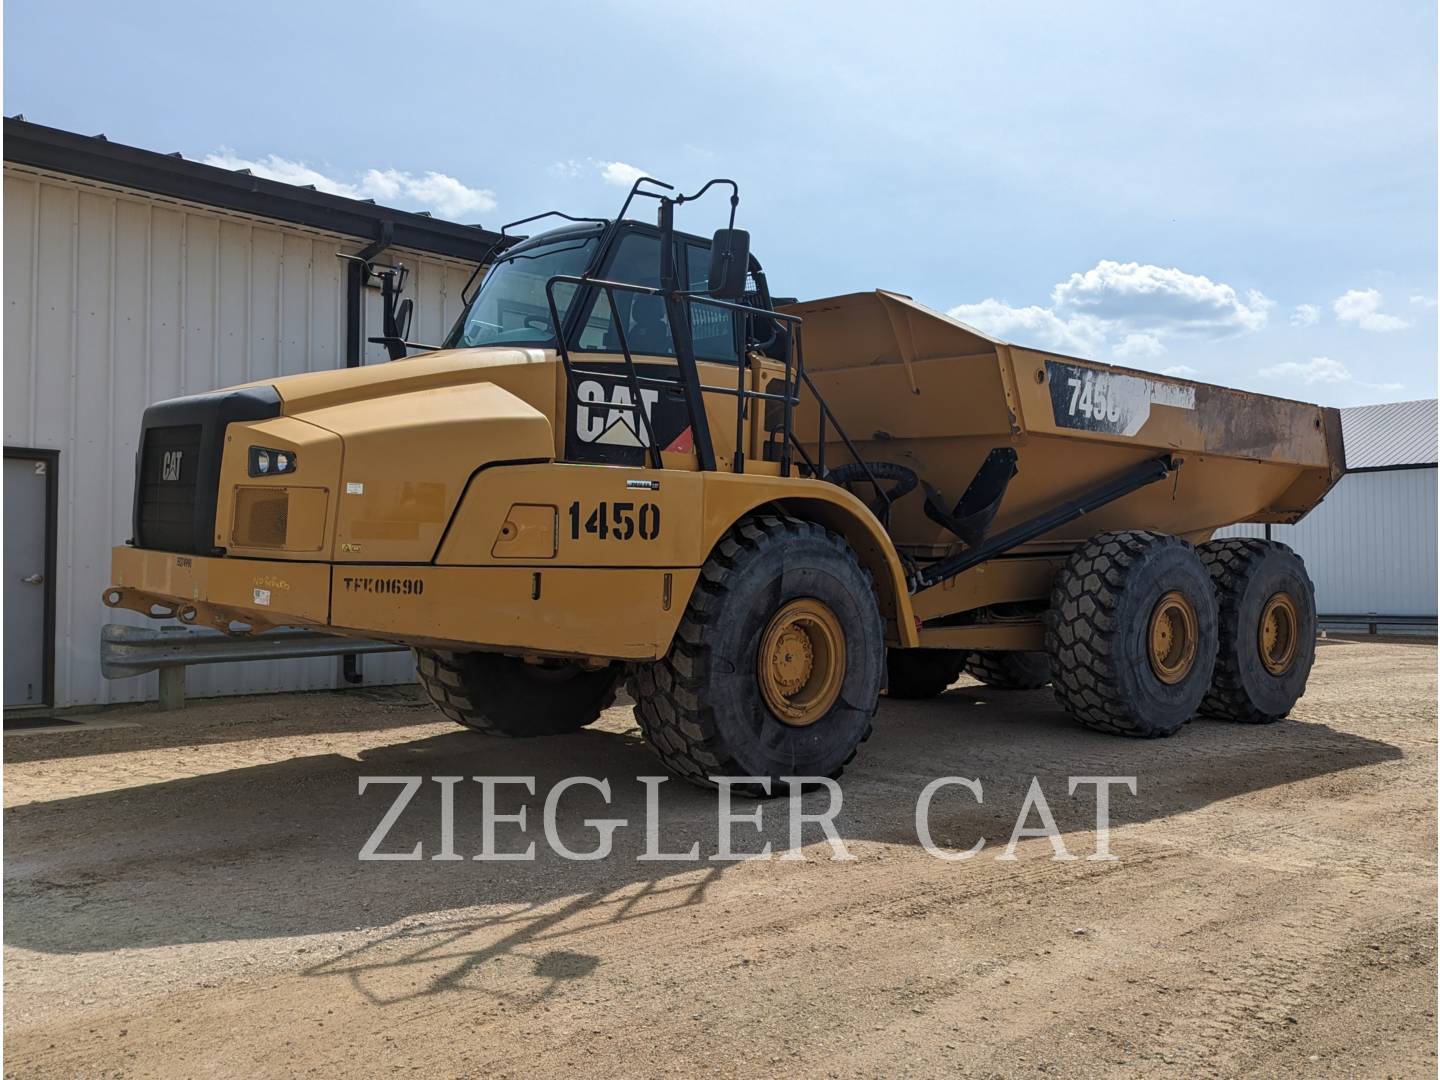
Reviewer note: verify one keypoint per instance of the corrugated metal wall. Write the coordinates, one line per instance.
(1370, 546)
(114, 299)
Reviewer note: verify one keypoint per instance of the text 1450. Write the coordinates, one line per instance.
(616, 521)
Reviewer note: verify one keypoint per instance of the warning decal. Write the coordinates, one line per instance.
(1110, 401)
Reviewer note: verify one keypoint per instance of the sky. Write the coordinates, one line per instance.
(1239, 193)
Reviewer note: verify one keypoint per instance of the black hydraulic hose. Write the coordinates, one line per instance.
(904, 478)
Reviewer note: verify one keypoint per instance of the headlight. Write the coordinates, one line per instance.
(267, 462)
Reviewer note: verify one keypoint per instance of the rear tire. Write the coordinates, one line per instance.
(1010, 670)
(1131, 633)
(1267, 644)
(709, 707)
(503, 695)
(918, 674)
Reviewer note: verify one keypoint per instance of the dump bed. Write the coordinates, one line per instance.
(915, 387)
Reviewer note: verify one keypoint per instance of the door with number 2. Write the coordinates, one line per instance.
(29, 476)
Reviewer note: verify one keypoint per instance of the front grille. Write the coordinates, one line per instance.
(262, 517)
(169, 460)
(177, 469)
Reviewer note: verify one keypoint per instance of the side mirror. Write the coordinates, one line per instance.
(729, 261)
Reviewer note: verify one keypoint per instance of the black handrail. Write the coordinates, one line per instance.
(795, 376)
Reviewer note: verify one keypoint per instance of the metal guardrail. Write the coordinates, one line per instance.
(127, 651)
(1373, 621)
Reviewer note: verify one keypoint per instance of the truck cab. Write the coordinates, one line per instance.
(512, 309)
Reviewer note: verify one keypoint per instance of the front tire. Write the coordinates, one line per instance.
(503, 695)
(776, 667)
(1131, 633)
(1267, 629)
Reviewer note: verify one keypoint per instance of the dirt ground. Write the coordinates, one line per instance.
(184, 897)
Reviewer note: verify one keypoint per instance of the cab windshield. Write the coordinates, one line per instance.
(510, 308)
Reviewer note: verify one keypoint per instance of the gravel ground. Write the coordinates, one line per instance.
(184, 897)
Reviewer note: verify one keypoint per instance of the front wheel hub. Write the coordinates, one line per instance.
(801, 662)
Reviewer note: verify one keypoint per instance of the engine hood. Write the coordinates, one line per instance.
(510, 368)
(413, 432)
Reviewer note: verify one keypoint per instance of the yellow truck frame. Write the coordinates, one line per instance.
(541, 519)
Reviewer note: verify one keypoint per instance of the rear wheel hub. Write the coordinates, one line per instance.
(1173, 637)
(1279, 633)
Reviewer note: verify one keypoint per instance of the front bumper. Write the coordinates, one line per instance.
(621, 613)
(213, 592)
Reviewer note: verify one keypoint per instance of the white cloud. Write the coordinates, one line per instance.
(1143, 297)
(1305, 315)
(444, 193)
(1140, 347)
(1033, 325)
(1128, 309)
(1423, 301)
(1321, 369)
(1361, 308)
(435, 191)
(1180, 371)
(619, 173)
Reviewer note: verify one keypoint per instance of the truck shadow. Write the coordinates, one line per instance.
(270, 851)
(237, 719)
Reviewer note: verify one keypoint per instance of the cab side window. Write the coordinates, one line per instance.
(647, 330)
(643, 318)
(713, 329)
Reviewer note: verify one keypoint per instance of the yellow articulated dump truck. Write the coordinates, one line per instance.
(629, 463)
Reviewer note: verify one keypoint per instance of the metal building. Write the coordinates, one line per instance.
(1370, 546)
(133, 276)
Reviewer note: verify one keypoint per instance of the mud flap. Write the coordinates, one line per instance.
(972, 515)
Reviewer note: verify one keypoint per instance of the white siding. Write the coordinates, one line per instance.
(1370, 546)
(114, 299)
